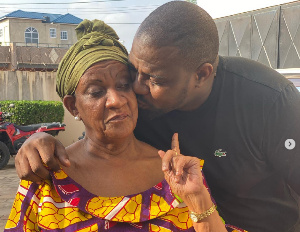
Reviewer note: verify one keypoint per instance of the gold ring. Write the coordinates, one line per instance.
(176, 154)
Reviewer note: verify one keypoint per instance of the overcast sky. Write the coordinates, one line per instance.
(126, 15)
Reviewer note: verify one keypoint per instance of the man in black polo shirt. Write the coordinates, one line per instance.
(241, 117)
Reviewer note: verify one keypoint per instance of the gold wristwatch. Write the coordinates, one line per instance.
(197, 217)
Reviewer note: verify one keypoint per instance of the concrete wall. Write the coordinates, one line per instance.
(25, 85)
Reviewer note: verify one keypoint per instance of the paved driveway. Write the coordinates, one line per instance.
(9, 182)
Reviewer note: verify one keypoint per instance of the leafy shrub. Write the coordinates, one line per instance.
(32, 112)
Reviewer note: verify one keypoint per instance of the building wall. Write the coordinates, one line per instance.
(17, 29)
(25, 85)
(5, 30)
(71, 33)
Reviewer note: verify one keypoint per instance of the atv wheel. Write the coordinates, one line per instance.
(4, 155)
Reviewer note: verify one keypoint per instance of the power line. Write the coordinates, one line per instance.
(59, 3)
(94, 11)
(91, 12)
(75, 24)
(84, 11)
(111, 10)
(80, 8)
(109, 13)
(122, 23)
(93, 8)
(117, 7)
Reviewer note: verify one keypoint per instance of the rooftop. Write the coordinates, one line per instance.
(52, 18)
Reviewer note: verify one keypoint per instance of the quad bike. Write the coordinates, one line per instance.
(12, 136)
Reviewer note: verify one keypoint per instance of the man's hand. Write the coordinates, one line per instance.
(183, 173)
(38, 149)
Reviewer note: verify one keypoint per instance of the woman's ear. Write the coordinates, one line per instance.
(204, 72)
(69, 103)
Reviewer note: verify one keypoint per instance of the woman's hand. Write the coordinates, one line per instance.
(38, 149)
(183, 173)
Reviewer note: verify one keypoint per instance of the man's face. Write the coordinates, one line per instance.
(161, 82)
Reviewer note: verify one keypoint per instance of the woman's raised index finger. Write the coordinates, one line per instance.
(175, 143)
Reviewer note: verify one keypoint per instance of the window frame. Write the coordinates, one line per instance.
(61, 35)
(53, 32)
(31, 31)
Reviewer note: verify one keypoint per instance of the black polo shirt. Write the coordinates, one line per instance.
(240, 132)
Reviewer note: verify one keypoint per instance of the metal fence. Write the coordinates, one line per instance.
(37, 45)
(30, 58)
(270, 36)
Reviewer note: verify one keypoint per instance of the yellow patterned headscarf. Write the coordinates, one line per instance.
(96, 42)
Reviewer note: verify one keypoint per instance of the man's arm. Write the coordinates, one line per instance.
(282, 124)
(38, 149)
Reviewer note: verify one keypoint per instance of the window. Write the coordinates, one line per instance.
(64, 35)
(52, 32)
(1, 32)
(31, 35)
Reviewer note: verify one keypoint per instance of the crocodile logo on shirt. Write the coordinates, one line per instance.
(220, 153)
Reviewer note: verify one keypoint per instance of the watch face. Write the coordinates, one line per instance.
(193, 217)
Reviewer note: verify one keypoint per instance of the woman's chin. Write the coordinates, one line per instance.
(117, 132)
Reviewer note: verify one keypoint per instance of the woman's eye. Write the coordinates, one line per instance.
(97, 93)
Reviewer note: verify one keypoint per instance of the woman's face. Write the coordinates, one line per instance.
(105, 100)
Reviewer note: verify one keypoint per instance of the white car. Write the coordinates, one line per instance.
(293, 74)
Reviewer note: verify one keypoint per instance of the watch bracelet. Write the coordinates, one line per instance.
(205, 214)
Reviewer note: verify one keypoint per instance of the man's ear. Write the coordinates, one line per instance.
(69, 103)
(204, 72)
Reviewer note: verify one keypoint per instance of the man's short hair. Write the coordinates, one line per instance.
(185, 26)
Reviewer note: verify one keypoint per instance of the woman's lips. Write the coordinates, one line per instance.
(118, 117)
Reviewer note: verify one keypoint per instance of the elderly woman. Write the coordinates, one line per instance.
(114, 182)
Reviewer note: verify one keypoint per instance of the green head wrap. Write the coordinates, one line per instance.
(96, 42)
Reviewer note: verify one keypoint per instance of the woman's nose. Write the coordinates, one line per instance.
(115, 99)
(141, 85)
